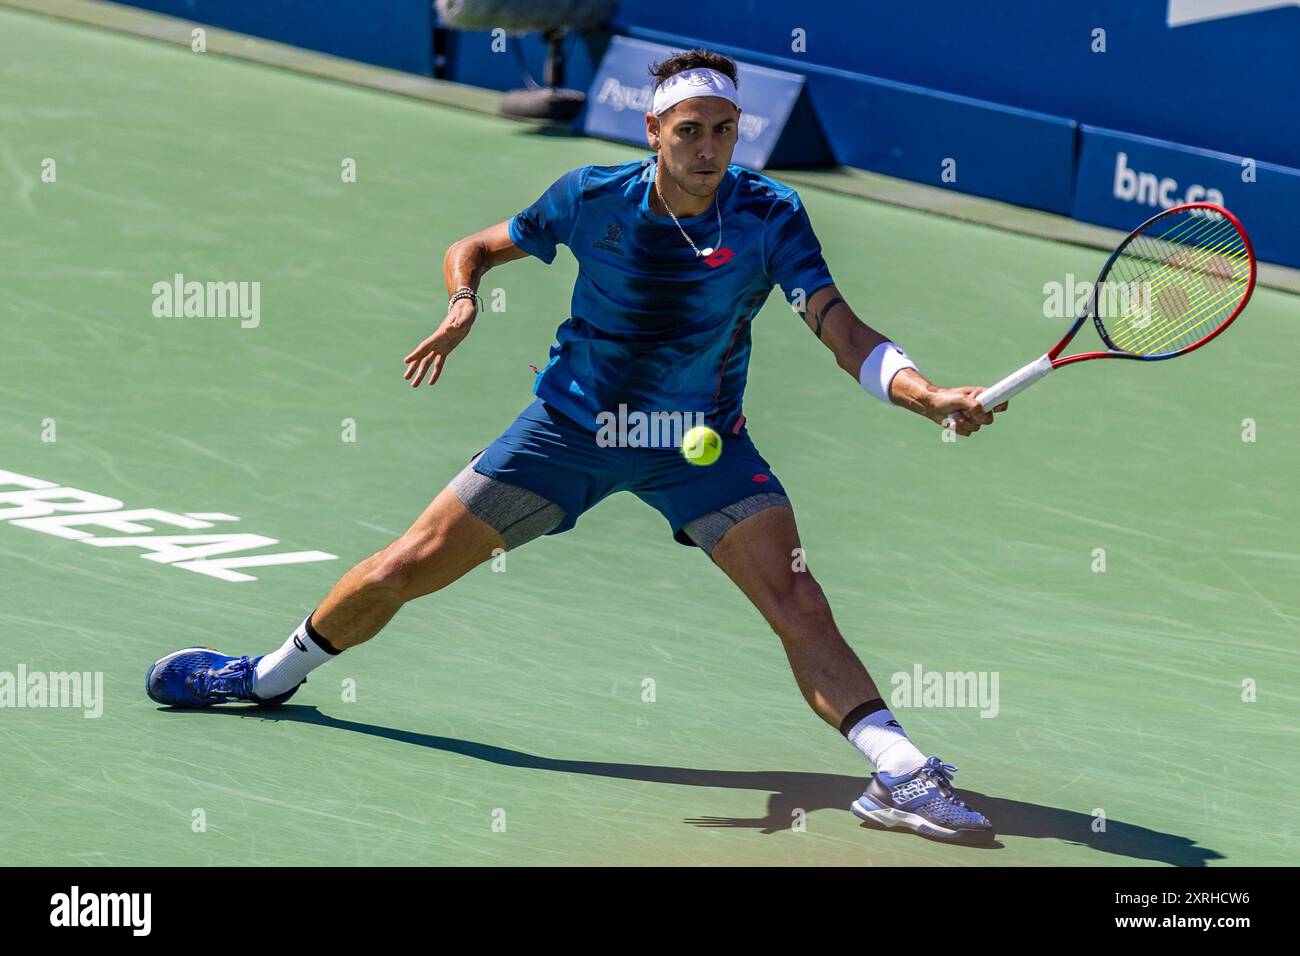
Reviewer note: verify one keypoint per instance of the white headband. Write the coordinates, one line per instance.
(690, 83)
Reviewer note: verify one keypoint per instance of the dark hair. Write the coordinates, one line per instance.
(690, 60)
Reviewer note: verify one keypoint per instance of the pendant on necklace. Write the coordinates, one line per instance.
(706, 252)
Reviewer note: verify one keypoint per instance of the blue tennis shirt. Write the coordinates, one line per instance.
(651, 325)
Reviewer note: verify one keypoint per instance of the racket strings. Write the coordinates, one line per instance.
(1178, 280)
(1200, 313)
(1188, 306)
(1210, 259)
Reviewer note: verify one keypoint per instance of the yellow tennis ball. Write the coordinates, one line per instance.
(702, 445)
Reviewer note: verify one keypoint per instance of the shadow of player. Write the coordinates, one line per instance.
(788, 792)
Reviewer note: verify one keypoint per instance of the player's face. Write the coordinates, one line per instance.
(695, 141)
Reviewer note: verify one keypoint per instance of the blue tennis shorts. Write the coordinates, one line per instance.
(546, 452)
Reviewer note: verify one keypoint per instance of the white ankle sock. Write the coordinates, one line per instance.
(881, 740)
(287, 667)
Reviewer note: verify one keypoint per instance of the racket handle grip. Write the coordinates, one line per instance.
(1014, 384)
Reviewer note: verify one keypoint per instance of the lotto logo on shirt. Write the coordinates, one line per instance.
(718, 258)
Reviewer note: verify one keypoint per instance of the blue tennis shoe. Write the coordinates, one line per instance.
(924, 802)
(200, 677)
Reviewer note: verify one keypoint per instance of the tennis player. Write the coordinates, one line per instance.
(676, 253)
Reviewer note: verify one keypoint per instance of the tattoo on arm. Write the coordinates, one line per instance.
(820, 317)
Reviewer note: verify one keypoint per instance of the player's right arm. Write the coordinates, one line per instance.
(463, 266)
(851, 341)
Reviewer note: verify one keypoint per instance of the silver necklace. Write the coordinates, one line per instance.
(707, 250)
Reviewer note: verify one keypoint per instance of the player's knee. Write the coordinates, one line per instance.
(402, 569)
(800, 608)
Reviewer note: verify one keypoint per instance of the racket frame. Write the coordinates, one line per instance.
(1090, 309)
(1022, 378)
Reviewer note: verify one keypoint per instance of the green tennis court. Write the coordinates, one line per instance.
(607, 697)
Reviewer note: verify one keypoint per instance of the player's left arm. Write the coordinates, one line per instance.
(851, 341)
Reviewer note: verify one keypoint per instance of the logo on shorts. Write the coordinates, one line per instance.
(760, 478)
(613, 236)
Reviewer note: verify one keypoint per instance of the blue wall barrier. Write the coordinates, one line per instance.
(998, 89)
(907, 131)
(473, 58)
(894, 128)
(1227, 83)
(395, 33)
(1224, 83)
(1123, 180)
(948, 141)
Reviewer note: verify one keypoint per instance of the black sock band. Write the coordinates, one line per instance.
(852, 718)
(319, 641)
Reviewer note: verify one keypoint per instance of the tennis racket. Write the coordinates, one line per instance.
(1175, 283)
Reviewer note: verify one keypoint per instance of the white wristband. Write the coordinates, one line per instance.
(879, 368)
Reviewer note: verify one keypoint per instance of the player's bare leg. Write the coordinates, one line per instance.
(445, 542)
(758, 554)
(908, 790)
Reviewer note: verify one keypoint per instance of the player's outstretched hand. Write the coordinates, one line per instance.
(960, 405)
(430, 355)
